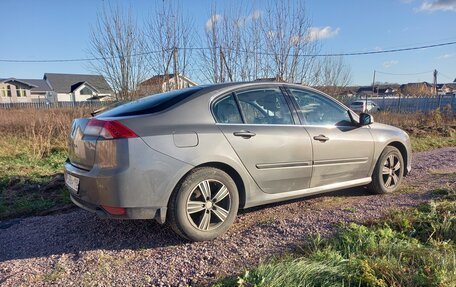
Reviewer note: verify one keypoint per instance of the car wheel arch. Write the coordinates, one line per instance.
(403, 150)
(233, 173)
(401, 147)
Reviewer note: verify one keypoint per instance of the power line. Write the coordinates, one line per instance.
(445, 76)
(404, 74)
(242, 51)
(339, 54)
(76, 59)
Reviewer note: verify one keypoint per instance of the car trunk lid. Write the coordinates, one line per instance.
(81, 147)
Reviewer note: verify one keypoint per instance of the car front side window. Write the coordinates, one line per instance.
(315, 109)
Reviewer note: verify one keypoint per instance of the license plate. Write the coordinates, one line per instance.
(72, 182)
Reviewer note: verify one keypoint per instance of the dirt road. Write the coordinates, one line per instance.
(77, 248)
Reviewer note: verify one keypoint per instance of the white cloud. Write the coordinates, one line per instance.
(212, 21)
(447, 56)
(438, 5)
(317, 33)
(255, 15)
(391, 63)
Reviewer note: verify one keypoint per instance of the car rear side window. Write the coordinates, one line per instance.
(226, 111)
(151, 104)
(264, 106)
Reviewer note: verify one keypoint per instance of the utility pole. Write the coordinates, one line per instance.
(221, 65)
(223, 62)
(435, 82)
(435, 88)
(176, 74)
(373, 88)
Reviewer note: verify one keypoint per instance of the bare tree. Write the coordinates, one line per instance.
(115, 41)
(331, 75)
(168, 35)
(290, 47)
(259, 44)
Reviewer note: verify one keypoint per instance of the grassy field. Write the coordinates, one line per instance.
(415, 247)
(33, 150)
(427, 131)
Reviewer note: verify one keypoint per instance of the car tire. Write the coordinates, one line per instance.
(388, 171)
(204, 205)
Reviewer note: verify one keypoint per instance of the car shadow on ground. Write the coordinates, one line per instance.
(79, 231)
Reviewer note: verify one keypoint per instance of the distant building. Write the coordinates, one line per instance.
(447, 89)
(55, 88)
(14, 90)
(417, 89)
(78, 88)
(164, 83)
(378, 90)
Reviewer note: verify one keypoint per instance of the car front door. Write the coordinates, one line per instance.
(259, 126)
(342, 151)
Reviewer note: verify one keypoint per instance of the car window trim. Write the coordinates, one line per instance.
(238, 105)
(221, 98)
(291, 105)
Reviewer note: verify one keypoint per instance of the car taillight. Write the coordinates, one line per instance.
(114, 210)
(108, 129)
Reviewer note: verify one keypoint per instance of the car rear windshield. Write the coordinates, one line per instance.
(357, 104)
(151, 104)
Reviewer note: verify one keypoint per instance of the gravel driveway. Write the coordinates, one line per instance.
(77, 248)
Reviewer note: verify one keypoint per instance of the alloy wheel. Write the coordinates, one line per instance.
(391, 171)
(208, 205)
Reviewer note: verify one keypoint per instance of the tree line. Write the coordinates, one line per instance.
(239, 43)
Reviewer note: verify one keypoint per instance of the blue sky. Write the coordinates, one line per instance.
(55, 29)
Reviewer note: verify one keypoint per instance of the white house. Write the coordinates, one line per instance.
(78, 88)
(55, 88)
(14, 90)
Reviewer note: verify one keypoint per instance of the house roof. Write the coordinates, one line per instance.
(17, 80)
(64, 83)
(77, 85)
(160, 79)
(450, 85)
(157, 80)
(40, 85)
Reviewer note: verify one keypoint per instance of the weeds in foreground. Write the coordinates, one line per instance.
(416, 247)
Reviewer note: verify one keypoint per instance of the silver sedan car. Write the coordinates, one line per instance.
(193, 157)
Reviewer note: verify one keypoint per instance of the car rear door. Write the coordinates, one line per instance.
(258, 124)
(342, 151)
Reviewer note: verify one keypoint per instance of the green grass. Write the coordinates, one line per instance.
(23, 178)
(428, 142)
(415, 247)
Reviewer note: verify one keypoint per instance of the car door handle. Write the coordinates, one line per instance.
(321, 138)
(244, 134)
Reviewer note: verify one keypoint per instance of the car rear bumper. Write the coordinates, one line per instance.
(158, 214)
(138, 179)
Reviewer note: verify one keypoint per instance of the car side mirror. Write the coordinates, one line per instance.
(365, 119)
